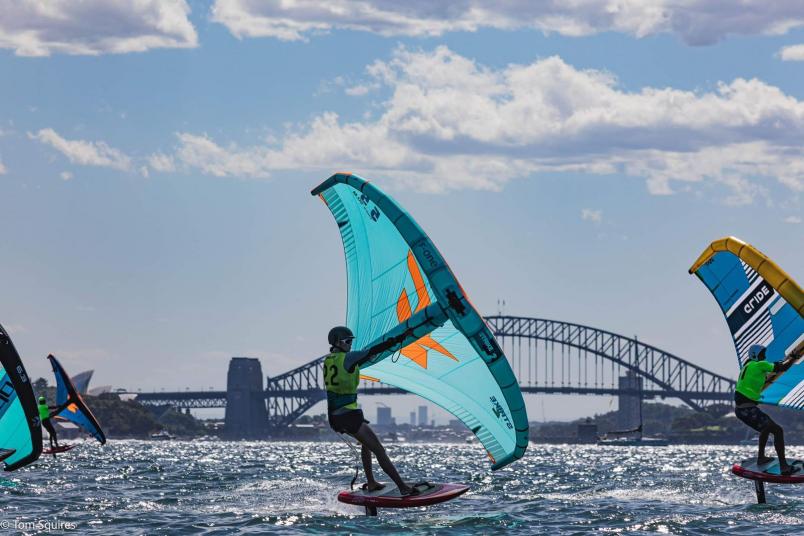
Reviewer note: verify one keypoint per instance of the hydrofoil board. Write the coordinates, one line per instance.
(769, 472)
(58, 450)
(389, 497)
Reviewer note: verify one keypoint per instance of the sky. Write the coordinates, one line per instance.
(570, 158)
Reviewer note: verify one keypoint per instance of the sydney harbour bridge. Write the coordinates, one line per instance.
(547, 356)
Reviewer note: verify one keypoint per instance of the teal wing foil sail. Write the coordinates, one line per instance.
(762, 305)
(400, 288)
(20, 429)
(76, 411)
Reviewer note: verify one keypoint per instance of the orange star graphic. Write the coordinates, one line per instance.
(417, 351)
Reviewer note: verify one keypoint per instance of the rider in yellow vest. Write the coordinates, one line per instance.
(341, 377)
(746, 397)
(44, 418)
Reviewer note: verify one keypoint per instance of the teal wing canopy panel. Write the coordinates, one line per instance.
(762, 305)
(20, 429)
(399, 285)
(76, 411)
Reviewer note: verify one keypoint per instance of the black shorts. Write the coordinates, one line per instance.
(349, 422)
(754, 417)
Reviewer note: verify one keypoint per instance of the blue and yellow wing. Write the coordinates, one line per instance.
(763, 305)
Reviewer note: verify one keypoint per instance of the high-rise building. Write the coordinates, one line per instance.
(413, 418)
(384, 416)
(423, 416)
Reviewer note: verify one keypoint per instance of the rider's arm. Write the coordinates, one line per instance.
(783, 365)
(57, 409)
(359, 358)
(355, 359)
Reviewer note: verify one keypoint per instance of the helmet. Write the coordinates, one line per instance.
(42, 400)
(339, 334)
(756, 352)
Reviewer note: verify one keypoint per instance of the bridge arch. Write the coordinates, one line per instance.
(665, 374)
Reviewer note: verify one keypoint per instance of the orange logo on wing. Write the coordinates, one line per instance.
(417, 351)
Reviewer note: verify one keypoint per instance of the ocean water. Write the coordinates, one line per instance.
(177, 487)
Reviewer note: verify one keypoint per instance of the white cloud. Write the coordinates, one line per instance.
(792, 53)
(588, 214)
(351, 89)
(92, 27)
(66, 175)
(85, 153)
(452, 123)
(203, 153)
(697, 22)
(361, 89)
(795, 220)
(162, 163)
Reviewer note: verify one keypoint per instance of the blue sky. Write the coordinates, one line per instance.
(156, 160)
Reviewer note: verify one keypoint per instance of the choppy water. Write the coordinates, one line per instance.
(138, 487)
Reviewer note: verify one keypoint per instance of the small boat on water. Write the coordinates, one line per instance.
(634, 442)
(162, 435)
(393, 437)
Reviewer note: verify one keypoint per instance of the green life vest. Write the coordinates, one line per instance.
(44, 412)
(341, 384)
(752, 378)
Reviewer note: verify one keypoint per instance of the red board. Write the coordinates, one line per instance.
(391, 498)
(769, 472)
(57, 450)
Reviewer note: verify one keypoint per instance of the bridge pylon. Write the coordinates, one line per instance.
(246, 417)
